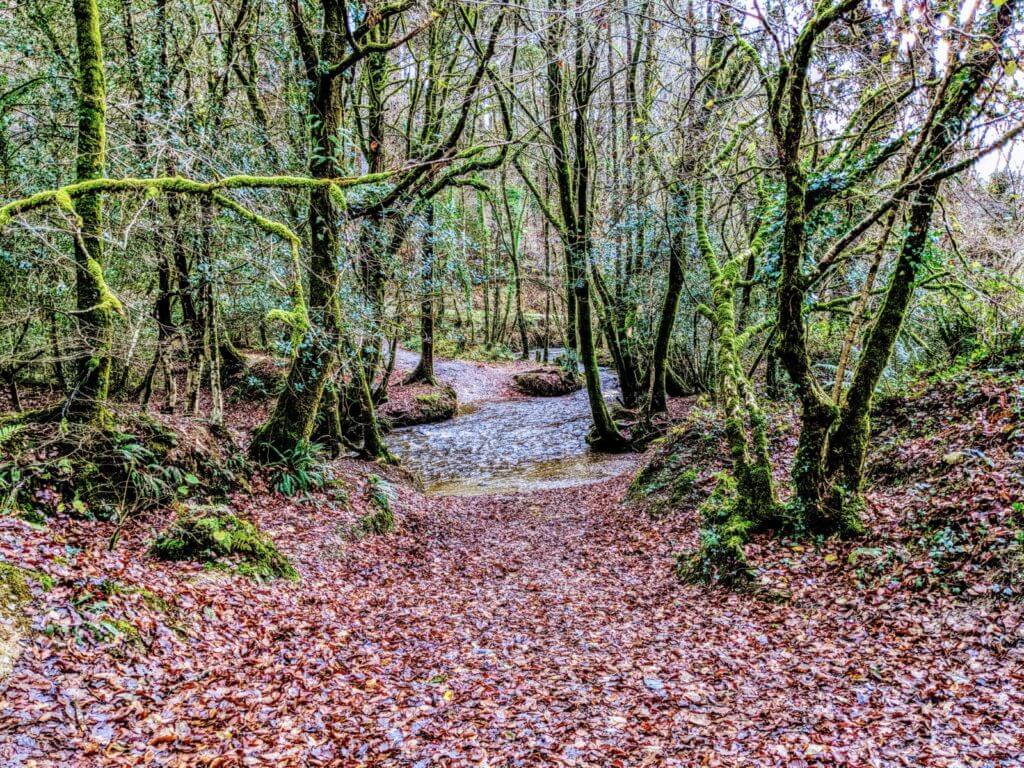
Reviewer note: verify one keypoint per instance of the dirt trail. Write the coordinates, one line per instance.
(506, 631)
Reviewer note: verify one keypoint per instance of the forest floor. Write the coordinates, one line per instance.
(541, 629)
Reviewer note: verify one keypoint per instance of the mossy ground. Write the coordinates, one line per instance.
(129, 463)
(719, 557)
(380, 519)
(217, 537)
(15, 595)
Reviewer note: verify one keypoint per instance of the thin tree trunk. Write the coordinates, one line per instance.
(657, 400)
(424, 370)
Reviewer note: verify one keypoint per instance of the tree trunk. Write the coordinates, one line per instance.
(313, 363)
(605, 435)
(657, 401)
(95, 302)
(424, 370)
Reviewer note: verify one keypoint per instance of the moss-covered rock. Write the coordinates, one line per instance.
(547, 382)
(218, 537)
(419, 404)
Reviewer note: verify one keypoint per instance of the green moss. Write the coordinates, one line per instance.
(14, 589)
(108, 302)
(124, 629)
(380, 519)
(719, 558)
(14, 597)
(219, 537)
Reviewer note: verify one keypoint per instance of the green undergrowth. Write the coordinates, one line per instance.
(381, 518)
(110, 613)
(219, 538)
(449, 348)
(671, 478)
(253, 385)
(301, 471)
(666, 483)
(110, 468)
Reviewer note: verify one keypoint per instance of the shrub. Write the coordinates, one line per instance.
(300, 470)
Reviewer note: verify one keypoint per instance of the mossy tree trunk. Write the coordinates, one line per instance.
(314, 361)
(750, 503)
(514, 211)
(828, 465)
(376, 245)
(573, 176)
(96, 305)
(818, 414)
(424, 370)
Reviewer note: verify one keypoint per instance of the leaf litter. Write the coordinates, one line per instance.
(519, 630)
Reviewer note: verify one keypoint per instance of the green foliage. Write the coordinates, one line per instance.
(568, 363)
(253, 386)
(300, 470)
(381, 519)
(218, 537)
(8, 432)
(664, 482)
(109, 472)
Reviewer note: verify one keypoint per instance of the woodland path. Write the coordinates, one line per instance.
(533, 629)
(501, 441)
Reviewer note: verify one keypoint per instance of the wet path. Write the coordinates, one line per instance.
(508, 445)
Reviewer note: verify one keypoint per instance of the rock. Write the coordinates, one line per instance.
(547, 382)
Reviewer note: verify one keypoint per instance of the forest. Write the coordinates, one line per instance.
(475, 383)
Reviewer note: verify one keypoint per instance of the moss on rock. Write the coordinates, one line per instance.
(547, 382)
(216, 536)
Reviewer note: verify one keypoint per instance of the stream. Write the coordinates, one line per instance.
(507, 446)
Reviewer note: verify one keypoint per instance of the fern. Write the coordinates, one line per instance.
(9, 432)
